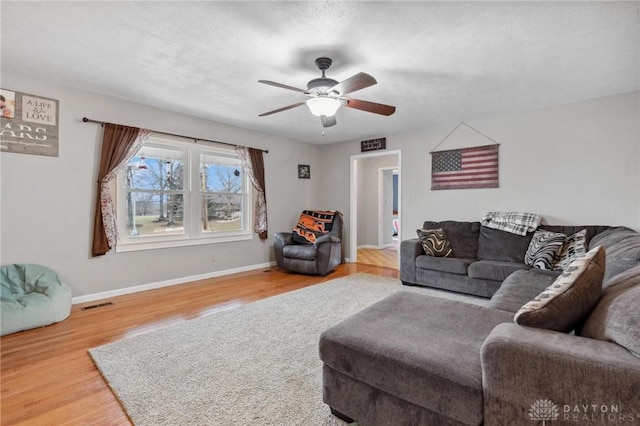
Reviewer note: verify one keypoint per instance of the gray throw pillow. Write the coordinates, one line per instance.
(435, 242)
(616, 317)
(544, 249)
(564, 304)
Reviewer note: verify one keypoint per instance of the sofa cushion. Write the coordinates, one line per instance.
(623, 249)
(493, 270)
(611, 236)
(452, 265)
(574, 246)
(544, 248)
(494, 244)
(564, 304)
(520, 287)
(434, 242)
(592, 230)
(409, 356)
(616, 317)
(463, 236)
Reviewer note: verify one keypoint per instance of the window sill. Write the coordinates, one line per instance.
(152, 245)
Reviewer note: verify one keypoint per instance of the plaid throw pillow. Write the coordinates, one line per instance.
(435, 242)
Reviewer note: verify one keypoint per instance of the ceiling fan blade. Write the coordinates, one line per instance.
(283, 86)
(353, 83)
(328, 121)
(281, 109)
(373, 107)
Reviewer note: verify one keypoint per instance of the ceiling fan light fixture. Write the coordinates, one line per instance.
(323, 106)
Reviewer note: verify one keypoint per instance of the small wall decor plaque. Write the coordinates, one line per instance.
(373, 144)
(304, 171)
(29, 124)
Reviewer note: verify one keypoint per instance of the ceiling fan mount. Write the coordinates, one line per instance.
(320, 86)
(328, 95)
(323, 64)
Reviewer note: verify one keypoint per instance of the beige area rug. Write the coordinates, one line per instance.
(256, 364)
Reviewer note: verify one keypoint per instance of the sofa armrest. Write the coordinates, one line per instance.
(283, 238)
(581, 376)
(280, 240)
(409, 251)
(326, 239)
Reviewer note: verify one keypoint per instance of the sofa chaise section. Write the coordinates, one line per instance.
(410, 370)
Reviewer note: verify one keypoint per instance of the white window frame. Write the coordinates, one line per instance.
(193, 198)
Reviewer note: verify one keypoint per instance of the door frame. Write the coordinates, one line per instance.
(381, 194)
(353, 198)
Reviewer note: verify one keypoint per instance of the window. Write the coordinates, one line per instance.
(174, 193)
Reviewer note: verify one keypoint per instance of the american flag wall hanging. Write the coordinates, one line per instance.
(465, 168)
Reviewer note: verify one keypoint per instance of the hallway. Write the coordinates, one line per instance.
(386, 258)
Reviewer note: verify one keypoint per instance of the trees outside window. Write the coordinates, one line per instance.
(222, 191)
(182, 194)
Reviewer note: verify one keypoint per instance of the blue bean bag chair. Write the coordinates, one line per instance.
(32, 296)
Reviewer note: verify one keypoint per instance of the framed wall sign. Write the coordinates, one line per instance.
(373, 144)
(304, 171)
(29, 124)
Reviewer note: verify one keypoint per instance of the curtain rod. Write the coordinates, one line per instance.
(102, 123)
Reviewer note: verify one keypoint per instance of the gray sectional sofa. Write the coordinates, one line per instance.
(413, 359)
(482, 257)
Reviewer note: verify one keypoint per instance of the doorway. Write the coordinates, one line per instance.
(375, 204)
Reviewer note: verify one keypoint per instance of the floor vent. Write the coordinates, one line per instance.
(99, 305)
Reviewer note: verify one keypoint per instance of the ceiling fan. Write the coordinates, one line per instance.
(327, 95)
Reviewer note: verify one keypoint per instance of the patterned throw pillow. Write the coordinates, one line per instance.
(543, 249)
(435, 242)
(565, 303)
(576, 245)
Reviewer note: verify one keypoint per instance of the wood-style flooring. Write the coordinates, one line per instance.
(48, 378)
(386, 258)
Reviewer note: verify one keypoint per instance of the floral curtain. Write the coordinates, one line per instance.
(119, 145)
(253, 164)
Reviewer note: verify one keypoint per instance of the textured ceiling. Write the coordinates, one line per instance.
(435, 61)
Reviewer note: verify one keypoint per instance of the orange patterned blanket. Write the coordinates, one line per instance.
(313, 224)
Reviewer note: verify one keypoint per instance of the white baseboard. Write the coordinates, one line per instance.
(160, 284)
(370, 246)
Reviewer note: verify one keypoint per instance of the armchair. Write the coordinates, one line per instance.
(315, 246)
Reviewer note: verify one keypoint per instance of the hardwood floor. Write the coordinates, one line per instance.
(387, 258)
(48, 378)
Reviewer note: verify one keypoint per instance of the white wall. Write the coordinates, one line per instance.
(575, 164)
(47, 202)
